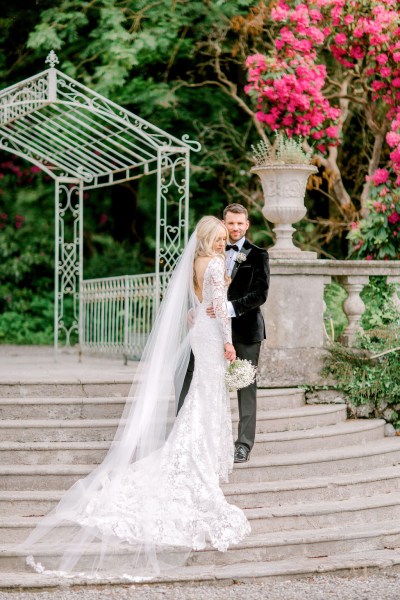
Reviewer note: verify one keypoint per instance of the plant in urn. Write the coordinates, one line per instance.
(283, 168)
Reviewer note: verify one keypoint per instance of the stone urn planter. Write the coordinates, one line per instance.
(284, 187)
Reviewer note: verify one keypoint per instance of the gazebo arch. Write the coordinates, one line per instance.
(84, 141)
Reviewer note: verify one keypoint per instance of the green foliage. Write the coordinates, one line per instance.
(380, 311)
(369, 374)
(284, 150)
(334, 317)
(377, 235)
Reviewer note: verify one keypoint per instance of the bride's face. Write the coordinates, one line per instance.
(220, 242)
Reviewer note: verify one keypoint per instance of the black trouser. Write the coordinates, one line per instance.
(247, 397)
(186, 382)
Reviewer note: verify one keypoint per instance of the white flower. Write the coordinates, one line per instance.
(241, 257)
(239, 374)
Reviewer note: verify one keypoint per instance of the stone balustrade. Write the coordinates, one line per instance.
(294, 314)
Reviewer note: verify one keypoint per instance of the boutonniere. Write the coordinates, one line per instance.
(241, 257)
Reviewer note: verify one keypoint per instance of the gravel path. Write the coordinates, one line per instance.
(371, 587)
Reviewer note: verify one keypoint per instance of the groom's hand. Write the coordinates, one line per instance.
(210, 312)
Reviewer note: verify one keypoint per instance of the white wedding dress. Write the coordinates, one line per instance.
(171, 500)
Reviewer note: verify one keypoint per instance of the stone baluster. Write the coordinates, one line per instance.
(395, 280)
(353, 306)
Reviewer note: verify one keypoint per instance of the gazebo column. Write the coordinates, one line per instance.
(68, 260)
(172, 215)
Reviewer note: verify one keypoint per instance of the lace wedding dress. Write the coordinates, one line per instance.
(169, 502)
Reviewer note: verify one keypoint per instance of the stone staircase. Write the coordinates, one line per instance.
(322, 493)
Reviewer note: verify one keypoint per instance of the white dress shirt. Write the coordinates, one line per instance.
(230, 263)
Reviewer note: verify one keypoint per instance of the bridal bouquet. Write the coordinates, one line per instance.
(239, 374)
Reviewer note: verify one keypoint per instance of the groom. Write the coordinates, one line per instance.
(247, 265)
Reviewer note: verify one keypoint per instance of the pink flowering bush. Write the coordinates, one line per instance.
(393, 140)
(328, 61)
(377, 236)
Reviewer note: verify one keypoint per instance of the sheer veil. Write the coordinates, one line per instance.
(65, 542)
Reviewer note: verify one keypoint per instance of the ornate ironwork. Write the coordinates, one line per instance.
(172, 207)
(84, 141)
(68, 259)
(52, 59)
(118, 313)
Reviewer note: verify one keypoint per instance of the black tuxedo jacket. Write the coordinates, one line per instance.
(247, 291)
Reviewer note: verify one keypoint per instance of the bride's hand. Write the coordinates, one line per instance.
(230, 352)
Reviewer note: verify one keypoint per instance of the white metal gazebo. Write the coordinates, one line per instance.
(83, 141)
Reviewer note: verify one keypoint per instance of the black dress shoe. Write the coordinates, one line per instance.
(242, 454)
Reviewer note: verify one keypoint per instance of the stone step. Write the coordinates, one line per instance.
(48, 430)
(42, 453)
(320, 515)
(41, 477)
(357, 563)
(292, 419)
(270, 494)
(14, 530)
(29, 503)
(347, 433)
(384, 453)
(54, 430)
(67, 389)
(275, 399)
(108, 407)
(340, 486)
(61, 408)
(342, 434)
(267, 547)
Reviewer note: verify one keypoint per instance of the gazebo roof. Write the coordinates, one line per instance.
(67, 129)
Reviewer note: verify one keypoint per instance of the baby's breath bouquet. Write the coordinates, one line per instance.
(239, 374)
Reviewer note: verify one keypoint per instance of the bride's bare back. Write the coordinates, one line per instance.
(200, 266)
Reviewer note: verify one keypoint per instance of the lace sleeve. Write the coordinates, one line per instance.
(216, 270)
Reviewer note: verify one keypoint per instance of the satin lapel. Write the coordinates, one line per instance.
(246, 249)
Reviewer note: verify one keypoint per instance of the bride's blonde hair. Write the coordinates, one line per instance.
(207, 232)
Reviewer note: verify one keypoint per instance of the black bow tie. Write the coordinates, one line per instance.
(232, 246)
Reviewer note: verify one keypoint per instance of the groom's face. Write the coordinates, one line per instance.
(237, 225)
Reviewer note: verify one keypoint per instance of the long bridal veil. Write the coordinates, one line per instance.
(66, 542)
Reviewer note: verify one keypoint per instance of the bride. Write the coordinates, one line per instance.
(156, 495)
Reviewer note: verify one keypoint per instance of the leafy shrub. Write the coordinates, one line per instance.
(369, 374)
(377, 235)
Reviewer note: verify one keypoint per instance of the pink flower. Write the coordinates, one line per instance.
(3, 216)
(369, 257)
(357, 53)
(340, 39)
(380, 176)
(386, 72)
(394, 218)
(332, 131)
(396, 82)
(381, 59)
(393, 138)
(378, 85)
(377, 205)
